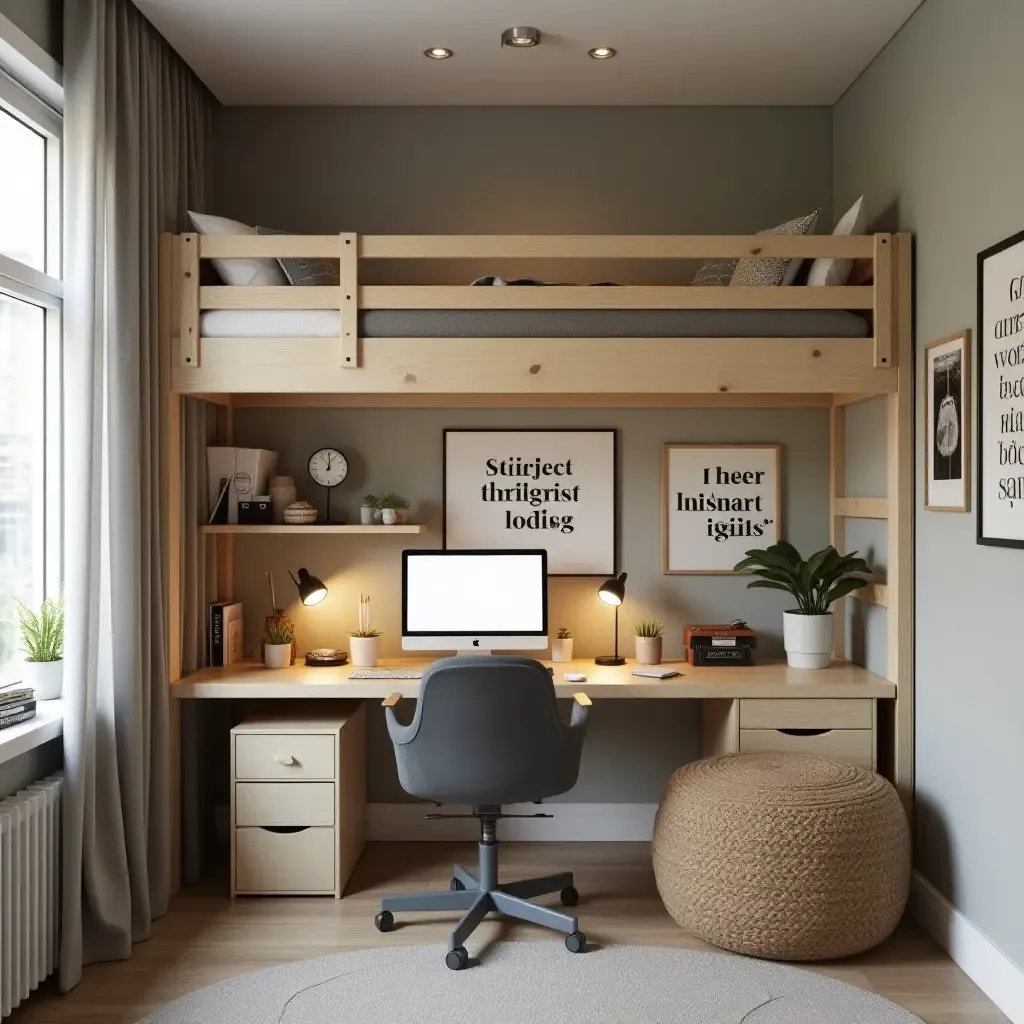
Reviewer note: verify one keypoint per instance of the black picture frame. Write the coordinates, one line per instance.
(616, 497)
(981, 359)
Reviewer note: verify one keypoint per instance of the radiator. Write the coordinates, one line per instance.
(29, 889)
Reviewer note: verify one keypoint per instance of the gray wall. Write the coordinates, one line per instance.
(41, 20)
(635, 745)
(931, 134)
(29, 767)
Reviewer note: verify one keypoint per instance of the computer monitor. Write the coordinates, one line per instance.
(473, 601)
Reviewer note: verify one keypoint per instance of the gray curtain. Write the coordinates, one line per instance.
(136, 126)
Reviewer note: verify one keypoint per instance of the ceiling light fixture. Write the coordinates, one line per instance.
(602, 52)
(521, 36)
(439, 53)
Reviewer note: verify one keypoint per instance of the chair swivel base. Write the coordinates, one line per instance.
(477, 901)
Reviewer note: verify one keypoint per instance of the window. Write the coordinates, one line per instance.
(30, 359)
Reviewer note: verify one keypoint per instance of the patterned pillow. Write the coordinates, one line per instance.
(774, 270)
(309, 273)
(712, 273)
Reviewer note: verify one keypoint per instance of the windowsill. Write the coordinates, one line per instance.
(47, 725)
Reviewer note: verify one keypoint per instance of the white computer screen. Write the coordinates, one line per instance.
(475, 592)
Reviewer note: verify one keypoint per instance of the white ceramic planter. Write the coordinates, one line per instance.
(45, 677)
(366, 514)
(561, 650)
(648, 650)
(277, 655)
(389, 516)
(363, 651)
(808, 639)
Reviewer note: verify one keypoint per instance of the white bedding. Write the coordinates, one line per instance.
(270, 323)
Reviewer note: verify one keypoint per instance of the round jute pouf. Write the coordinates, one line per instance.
(784, 856)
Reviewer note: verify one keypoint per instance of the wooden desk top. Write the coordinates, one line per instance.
(775, 679)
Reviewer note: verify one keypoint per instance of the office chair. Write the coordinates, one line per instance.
(486, 732)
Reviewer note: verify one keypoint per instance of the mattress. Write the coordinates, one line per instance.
(538, 323)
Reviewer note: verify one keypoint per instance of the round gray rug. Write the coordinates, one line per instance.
(530, 983)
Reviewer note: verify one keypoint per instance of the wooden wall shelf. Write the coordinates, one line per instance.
(313, 530)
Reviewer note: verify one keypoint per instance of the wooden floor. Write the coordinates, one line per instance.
(207, 937)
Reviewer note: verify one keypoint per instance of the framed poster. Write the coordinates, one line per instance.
(947, 417)
(718, 502)
(1001, 393)
(552, 489)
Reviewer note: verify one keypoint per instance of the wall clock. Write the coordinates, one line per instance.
(328, 467)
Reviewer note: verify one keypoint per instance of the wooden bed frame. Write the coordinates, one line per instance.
(585, 372)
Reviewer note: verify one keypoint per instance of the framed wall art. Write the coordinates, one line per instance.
(947, 417)
(552, 489)
(718, 502)
(1001, 393)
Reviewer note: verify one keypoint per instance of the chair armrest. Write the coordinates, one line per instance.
(582, 699)
(391, 700)
(581, 705)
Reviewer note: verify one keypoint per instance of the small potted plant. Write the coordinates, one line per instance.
(368, 510)
(364, 642)
(277, 646)
(394, 509)
(42, 639)
(649, 634)
(809, 629)
(561, 646)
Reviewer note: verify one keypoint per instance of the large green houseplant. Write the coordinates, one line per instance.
(816, 583)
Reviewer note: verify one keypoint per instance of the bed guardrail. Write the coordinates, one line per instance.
(186, 252)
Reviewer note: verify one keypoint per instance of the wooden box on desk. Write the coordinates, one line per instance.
(298, 800)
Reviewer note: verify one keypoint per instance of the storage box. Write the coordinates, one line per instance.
(730, 643)
(249, 470)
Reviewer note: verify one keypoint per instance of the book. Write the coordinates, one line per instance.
(232, 615)
(219, 512)
(223, 632)
(18, 696)
(8, 710)
(11, 720)
(656, 673)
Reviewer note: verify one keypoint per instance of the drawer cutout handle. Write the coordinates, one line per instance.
(288, 760)
(804, 732)
(284, 830)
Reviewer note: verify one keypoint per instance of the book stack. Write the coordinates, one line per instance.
(17, 705)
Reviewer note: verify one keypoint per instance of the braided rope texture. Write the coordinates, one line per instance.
(783, 856)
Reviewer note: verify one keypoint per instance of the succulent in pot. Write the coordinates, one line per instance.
(561, 646)
(277, 645)
(42, 640)
(816, 583)
(368, 511)
(648, 634)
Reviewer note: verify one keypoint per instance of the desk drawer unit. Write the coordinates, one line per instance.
(838, 728)
(298, 801)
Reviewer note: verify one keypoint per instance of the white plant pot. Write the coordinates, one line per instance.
(808, 639)
(277, 655)
(648, 650)
(561, 650)
(366, 514)
(363, 651)
(389, 516)
(45, 677)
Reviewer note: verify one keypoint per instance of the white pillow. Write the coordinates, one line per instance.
(835, 271)
(244, 271)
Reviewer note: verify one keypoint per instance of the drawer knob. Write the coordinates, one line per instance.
(286, 759)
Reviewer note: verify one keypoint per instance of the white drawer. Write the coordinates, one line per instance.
(284, 803)
(285, 862)
(853, 745)
(805, 713)
(275, 756)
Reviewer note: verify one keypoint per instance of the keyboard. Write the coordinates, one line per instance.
(385, 673)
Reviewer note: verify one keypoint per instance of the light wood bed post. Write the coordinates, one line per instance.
(837, 523)
(902, 487)
(168, 300)
(349, 313)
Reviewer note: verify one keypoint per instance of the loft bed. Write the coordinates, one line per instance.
(399, 344)
(361, 339)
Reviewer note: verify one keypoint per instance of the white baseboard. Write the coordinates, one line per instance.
(571, 822)
(999, 977)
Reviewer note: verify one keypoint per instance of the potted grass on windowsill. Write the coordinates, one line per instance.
(42, 639)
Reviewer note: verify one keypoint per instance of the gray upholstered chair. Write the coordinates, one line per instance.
(486, 733)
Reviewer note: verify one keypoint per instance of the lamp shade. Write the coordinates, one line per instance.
(311, 589)
(613, 590)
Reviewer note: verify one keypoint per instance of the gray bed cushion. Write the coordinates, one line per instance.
(611, 323)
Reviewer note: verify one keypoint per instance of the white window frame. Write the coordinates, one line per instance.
(31, 91)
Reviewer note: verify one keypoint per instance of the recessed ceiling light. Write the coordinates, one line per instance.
(602, 52)
(522, 36)
(439, 53)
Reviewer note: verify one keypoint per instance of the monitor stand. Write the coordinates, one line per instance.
(470, 651)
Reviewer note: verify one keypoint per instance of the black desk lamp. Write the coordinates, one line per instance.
(612, 592)
(311, 590)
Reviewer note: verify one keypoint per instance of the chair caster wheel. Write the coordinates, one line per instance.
(456, 885)
(384, 921)
(570, 896)
(576, 943)
(456, 959)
